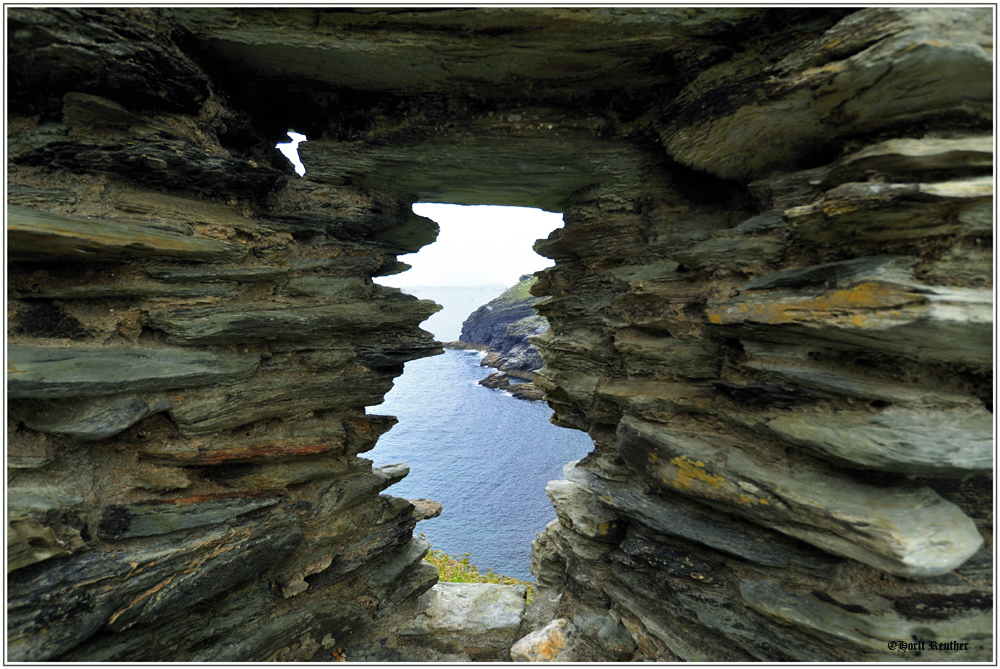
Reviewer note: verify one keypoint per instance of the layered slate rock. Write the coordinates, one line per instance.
(48, 372)
(771, 310)
(193, 343)
(42, 236)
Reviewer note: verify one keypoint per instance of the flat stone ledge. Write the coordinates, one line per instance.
(473, 621)
(42, 236)
(47, 372)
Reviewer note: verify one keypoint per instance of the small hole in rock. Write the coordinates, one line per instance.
(291, 151)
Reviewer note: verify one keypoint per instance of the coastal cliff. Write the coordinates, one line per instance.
(503, 327)
(771, 310)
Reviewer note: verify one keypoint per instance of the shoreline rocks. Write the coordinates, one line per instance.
(503, 328)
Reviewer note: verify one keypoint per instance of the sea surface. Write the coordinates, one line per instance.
(483, 454)
(458, 303)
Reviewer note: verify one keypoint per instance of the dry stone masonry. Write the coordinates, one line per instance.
(771, 310)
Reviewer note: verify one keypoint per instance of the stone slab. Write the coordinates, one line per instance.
(48, 372)
(873, 633)
(293, 322)
(916, 159)
(477, 619)
(34, 235)
(93, 418)
(918, 442)
(137, 584)
(162, 516)
(906, 530)
(932, 323)
(672, 517)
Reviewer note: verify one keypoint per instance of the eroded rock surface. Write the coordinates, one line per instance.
(771, 310)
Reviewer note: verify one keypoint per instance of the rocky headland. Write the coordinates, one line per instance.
(503, 328)
(771, 310)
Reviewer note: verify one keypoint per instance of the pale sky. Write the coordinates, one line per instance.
(477, 246)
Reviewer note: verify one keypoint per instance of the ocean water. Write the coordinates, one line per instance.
(483, 454)
(458, 303)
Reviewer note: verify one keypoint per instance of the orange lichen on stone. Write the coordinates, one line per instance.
(548, 649)
(688, 472)
(858, 305)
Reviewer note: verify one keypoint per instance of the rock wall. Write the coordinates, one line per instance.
(192, 341)
(771, 310)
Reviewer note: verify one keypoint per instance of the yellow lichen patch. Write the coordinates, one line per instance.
(688, 472)
(745, 499)
(715, 318)
(764, 501)
(857, 306)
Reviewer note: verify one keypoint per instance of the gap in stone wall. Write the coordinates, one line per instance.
(481, 451)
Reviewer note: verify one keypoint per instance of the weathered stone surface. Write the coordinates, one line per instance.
(212, 275)
(328, 288)
(114, 588)
(477, 621)
(63, 49)
(93, 110)
(247, 450)
(527, 391)
(675, 518)
(155, 162)
(657, 400)
(163, 516)
(905, 441)
(886, 212)
(93, 419)
(403, 576)
(876, 68)
(237, 323)
(42, 525)
(548, 644)
(795, 365)
(728, 253)
(122, 290)
(581, 512)
(840, 624)
(48, 372)
(840, 274)
(968, 263)
(902, 529)
(271, 395)
(34, 235)
(914, 159)
(937, 324)
(158, 478)
(684, 358)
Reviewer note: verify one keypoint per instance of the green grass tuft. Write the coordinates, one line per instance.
(453, 569)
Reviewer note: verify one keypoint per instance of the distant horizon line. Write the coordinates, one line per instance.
(431, 285)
